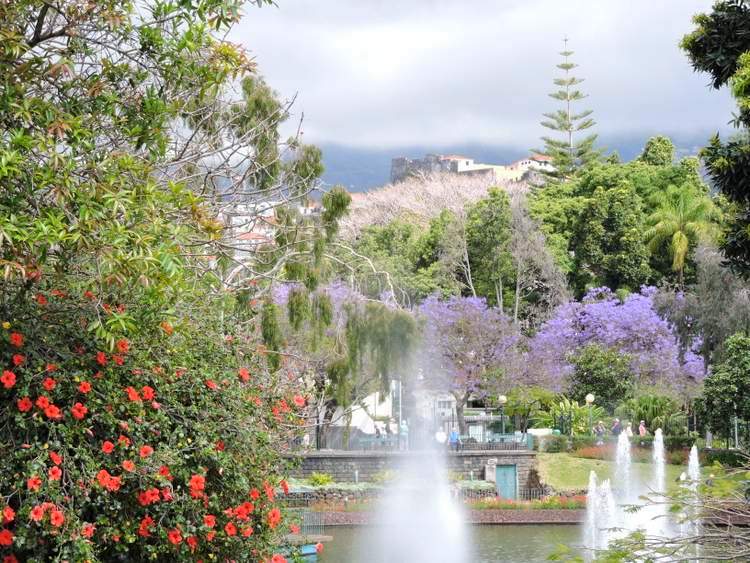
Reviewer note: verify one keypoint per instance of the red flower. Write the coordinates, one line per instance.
(128, 465)
(37, 513)
(84, 387)
(114, 484)
(16, 339)
(8, 379)
(146, 523)
(54, 473)
(242, 512)
(88, 530)
(148, 393)
(24, 405)
(247, 531)
(230, 529)
(167, 328)
(123, 441)
(88, 294)
(174, 536)
(254, 494)
(294, 528)
(41, 299)
(101, 358)
(52, 412)
(197, 482)
(270, 493)
(210, 383)
(50, 368)
(108, 447)
(210, 535)
(284, 486)
(164, 472)
(58, 293)
(122, 346)
(6, 537)
(149, 496)
(145, 451)
(166, 494)
(244, 374)
(219, 447)
(79, 411)
(192, 542)
(274, 518)
(18, 359)
(299, 400)
(278, 558)
(10, 559)
(56, 518)
(119, 360)
(133, 394)
(48, 383)
(42, 402)
(318, 547)
(33, 483)
(8, 515)
(209, 520)
(55, 457)
(103, 477)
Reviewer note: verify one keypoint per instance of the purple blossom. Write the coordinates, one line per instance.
(631, 326)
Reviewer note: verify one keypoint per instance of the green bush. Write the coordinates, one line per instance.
(729, 458)
(554, 444)
(320, 479)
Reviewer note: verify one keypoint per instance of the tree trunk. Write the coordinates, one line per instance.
(517, 297)
(460, 405)
(499, 293)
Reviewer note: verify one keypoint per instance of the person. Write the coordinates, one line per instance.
(642, 429)
(404, 430)
(454, 440)
(629, 430)
(599, 433)
(616, 427)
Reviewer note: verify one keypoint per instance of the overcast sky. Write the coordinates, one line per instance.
(388, 73)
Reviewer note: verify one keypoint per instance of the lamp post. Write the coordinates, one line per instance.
(502, 399)
(590, 401)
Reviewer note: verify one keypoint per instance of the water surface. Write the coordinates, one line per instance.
(530, 543)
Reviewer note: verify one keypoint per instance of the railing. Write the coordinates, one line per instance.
(310, 523)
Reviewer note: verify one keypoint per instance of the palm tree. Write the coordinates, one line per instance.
(682, 216)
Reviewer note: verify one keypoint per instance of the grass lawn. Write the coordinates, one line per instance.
(566, 473)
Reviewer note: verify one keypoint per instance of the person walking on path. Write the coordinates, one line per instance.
(599, 433)
(616, 427)
(454, 440)
(404, 435)
(642, 429)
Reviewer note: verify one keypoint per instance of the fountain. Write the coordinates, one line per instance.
(605, 510)
(623, 468)
(418, 520)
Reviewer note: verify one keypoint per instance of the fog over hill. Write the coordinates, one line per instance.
(361, 169)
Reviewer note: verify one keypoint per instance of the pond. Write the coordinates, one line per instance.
(490, 544)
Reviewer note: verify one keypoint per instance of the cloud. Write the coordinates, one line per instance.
(388, 73)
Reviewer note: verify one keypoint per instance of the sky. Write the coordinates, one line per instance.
(392, 73)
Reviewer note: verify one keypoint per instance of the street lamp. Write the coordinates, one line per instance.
(590, 401)
(502, 399)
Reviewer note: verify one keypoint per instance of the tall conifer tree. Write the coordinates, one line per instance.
(568, 153)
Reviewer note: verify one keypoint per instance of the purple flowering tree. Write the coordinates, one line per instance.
(469, 348)
(631, 326)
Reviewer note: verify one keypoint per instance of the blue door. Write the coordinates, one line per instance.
(505, 481)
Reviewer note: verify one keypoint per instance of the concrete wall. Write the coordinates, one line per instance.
(341, 465)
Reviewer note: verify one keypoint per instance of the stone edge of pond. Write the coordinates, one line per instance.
(505, 516)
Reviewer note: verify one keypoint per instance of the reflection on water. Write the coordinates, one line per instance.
(488, 544)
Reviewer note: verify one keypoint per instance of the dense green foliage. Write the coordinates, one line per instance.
(605, 373)
(718, 46)
(595, 223)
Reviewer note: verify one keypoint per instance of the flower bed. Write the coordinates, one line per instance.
(547, 503)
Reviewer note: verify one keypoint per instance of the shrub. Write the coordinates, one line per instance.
(658, 411)
(385, 476)
(547, 503)
(554, 444)
(320, 479)
(569, 414)
(729, 458)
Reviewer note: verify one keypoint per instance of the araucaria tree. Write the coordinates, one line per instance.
(568, 153)
(470, 349)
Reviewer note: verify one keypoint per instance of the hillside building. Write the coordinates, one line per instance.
(402, 167)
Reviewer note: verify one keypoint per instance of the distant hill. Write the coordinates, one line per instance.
(361, 169)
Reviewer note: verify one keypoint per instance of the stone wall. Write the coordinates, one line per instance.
(341, 465)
